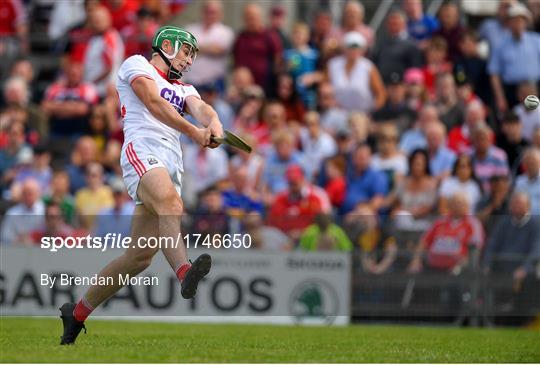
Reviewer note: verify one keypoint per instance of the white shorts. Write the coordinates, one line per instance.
(144, 154)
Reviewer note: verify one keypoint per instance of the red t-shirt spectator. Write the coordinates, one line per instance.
(448, 240)
(123, 15)
(290, 214)
(12, 15)
(138, 41)
(336, 190)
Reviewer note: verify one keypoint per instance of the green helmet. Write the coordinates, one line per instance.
(177, 36)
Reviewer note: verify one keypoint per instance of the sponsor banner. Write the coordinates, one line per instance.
(243, 286)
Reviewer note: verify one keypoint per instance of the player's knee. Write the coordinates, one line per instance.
(142, 260)
(170, 205)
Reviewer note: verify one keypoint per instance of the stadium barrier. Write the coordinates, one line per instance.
(244, 286)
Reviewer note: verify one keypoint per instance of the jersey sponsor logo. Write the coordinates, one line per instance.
(176, 100)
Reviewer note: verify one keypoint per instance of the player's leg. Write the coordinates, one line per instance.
(165, 201)
(132, 262)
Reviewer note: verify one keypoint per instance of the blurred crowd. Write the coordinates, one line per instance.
(412, 138)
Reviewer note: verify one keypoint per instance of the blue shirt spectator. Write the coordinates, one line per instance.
(234, 200)
(411, 140)
(516, 60)
(529, 182)
(422, 29)
(442, 161)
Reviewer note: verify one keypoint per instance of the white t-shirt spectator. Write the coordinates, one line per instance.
(317, 149)
(398, 163)
(208, 69)
(530, 120)
(452, 185)
(205, 167)
(20, 221)
(353, 91)
(103, 51)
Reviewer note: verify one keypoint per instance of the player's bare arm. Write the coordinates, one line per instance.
(206, 115)
(147, 91)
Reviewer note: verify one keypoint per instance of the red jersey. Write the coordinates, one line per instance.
(448, 240)
(12, 14)
(288, 214)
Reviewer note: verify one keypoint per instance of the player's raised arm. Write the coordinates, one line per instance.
(206, 115)
(147, 91)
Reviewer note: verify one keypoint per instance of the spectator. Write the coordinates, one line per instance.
(274, 118)
(495, 28)
(68, 103)
(450, 110)
(336, 185)
(115, 219)
(54, 225)
(459, 137)
(420, 26)
(436, 62)
(510, 140)
(316, 143)
(283, 155)
(461, 180)
(530, 119)
(211, 217)
(488, 160)
(515, 60)
(17, 96)
(416, 94)
(396, 107)
(248, 119)
(446, 244)
(514, 245)
(93, 198)
(494, 202)
(414, 198)
(123, 13)
(85, 152)
(39, 170)
(450, 29)
(323, 235)
(138, 36)
(473, 66)
(265, 238)
(289, 98)
(25, 217)
(59, 195)
(13, 29)
(203, 168)
(105, 50)
(14, 150)
(241, 81)
(295, 208)
(64, 16)
(278, 21)
(333, 117)
(396, 52)
(253, 163)
(353, 21)
(325, 36)
(388, 157)
(241, 199)
(257, 48)
(360, 128)
(79, 36)
(529, 182)
(366, 186)
(215, 41)
(356, 80)
(301, 62)
(379, 246)
(415, 138)
(441, 158)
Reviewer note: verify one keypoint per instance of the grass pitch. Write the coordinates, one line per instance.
(36, 340)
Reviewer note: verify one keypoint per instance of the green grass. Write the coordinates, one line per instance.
(36, 340)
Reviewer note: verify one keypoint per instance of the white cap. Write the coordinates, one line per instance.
(354, 39)
(518, 9)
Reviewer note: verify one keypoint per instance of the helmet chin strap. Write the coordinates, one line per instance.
(173, 73)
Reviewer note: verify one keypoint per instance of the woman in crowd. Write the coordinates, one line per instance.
(462, 180)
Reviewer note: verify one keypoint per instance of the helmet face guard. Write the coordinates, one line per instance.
(180, 38)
